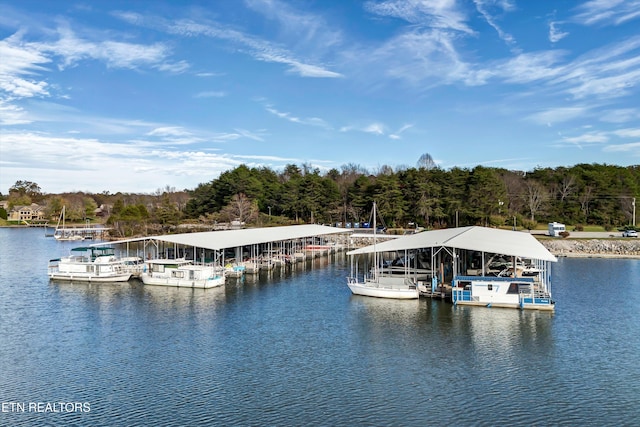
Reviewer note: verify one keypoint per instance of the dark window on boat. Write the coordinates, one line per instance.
(489, 287)
(465, 285)
(513, 288)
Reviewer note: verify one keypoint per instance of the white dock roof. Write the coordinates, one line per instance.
(218, 240)
(483, 239)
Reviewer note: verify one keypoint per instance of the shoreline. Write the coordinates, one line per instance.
(595, 255)
(593, 248)
(600, 247)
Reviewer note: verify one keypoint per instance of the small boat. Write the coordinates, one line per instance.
(234, 270)
(89, 264)
(509, 292)
(385, 287)
(63, 234)
(382, 286)
(181, 273)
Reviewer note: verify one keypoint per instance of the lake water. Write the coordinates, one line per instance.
(298, 349)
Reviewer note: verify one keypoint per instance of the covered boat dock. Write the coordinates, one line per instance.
(251, 248)
(435, 259)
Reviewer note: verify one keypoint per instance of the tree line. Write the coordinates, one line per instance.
(425, 196)
(429, 196)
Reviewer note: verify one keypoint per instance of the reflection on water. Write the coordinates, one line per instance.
(503, 330)
(382, 311)
(176, 299)
(294, 347)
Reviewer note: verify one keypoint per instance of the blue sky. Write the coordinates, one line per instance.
(137, 96)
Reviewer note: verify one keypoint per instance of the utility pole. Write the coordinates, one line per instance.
(633, 203)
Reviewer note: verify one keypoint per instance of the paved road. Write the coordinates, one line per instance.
(588, 234)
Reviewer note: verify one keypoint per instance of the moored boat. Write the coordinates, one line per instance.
(378, 285)
(89, 264)
(508, 292)
(234, 270)
(384, 287)
(134, 265)
(181, 273)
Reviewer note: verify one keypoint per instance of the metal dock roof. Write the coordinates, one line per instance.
(218, 240)
(483, 239)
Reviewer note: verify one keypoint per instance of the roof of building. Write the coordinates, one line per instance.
(218, 240)
(482, 239)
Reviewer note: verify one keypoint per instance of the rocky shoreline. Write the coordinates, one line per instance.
(593, 248)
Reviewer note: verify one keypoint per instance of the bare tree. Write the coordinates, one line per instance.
(585, 198)
(537, 196)
(567, 186)
(240, 208)
(515, 185)
(426, 161)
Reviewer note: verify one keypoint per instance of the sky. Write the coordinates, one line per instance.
(135, 97)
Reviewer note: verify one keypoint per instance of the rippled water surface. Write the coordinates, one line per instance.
(296, 348)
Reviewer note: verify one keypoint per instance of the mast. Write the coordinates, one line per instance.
(375, 252)
(60, 218)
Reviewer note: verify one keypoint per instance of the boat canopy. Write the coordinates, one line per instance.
(474, 238)
(219, 240)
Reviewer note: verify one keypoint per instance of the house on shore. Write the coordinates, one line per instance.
(27, 213)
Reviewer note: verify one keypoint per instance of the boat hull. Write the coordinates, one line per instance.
(517, 292)
(182, 283)
(71, 277)
(89, 267)
(379, 289)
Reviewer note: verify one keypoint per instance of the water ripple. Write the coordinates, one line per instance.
(296, 348)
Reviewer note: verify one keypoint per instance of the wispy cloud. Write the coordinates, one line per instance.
(209, 74)
(375, 128)
(270, 158)
(39, 155)
(555, 34)
(116, 54)
(428, 53)
(607, 12)
(210, 94)
(620, 115)
(309, 31)
(25, 65)
(628, 133)
(587, 138)
(557, 115)
(312, 121)
(397, 134)
(529, 67)
(442, 14)
(12, 114)
(608, 72)
(633, 147)
(256, 136)
(259, 49)
(483, 7)
(169, 131)
(20, 67)
(605, 138)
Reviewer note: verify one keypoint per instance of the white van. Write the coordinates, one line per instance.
(555, 228)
